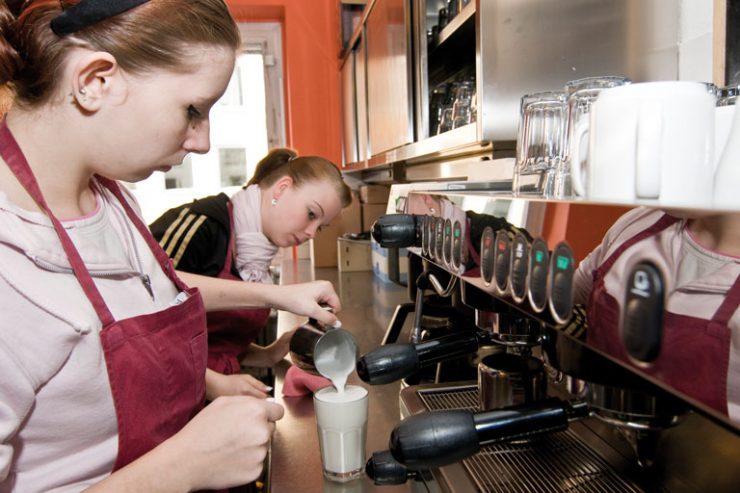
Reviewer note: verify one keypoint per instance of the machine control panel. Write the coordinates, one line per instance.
(447, 246)
(501, 262)
(539, 260)
(458, 245)
(560, 289)
(439, 227)
(519, 268)
(426, 223)
(486, 255)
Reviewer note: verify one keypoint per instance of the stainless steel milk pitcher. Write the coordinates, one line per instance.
(322, 350)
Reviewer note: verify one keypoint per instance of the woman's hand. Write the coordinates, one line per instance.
(278, 349)
(218, 384)
(224, 445)
(267, 356)
(308, 299)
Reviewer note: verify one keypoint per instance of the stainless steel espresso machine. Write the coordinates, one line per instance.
(502, 390)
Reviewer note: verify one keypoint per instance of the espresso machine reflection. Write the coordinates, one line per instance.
(510, 291)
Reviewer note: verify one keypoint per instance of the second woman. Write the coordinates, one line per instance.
(285, 204)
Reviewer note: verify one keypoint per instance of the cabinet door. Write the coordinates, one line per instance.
(349, 110)
(389, 75)
(363, 147)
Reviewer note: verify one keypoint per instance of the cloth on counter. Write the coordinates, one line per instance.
(299, 382)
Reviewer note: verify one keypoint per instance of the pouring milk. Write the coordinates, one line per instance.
(335, 356)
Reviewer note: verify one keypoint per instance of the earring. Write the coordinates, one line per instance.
(273, 202)
(83, 92)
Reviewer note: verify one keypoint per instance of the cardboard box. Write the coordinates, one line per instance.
(384, 261)
(324, 246)
(351, 216)
(375, 194)
(323, 250)
(353, 255)
(371, 212)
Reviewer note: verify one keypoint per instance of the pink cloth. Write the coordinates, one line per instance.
(254, 252)
(298, 382)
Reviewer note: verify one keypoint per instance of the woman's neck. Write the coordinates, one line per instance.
(720, 233)
(52, 153)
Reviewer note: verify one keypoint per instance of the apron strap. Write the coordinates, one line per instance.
(164, 261)
(729, 306)
(664, 222)
(16, 161)
(229, 249)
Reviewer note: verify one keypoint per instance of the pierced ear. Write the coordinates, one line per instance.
(96, 75)
(281, 185)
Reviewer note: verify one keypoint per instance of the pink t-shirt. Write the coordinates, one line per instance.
(57, 421)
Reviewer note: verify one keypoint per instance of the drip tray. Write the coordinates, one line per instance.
(559, 462)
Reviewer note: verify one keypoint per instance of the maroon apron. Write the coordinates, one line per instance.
(156, 363)
(695, 352)
(230, 332)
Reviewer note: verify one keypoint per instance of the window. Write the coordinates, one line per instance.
(246, 122)
(233, 163)
(180, 176)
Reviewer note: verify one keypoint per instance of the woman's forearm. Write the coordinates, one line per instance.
(225, 294)
(158, 471)
(302, 299)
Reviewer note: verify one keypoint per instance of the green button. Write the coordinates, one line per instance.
(562, 262)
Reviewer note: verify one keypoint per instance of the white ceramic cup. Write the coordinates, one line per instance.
(723, 117)
(651, 142)
(341, 419)
(581, 95)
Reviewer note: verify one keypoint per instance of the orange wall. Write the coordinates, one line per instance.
(311, 46)
(582, 225)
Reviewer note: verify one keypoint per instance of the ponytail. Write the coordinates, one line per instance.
(304, 169)
(10, 60)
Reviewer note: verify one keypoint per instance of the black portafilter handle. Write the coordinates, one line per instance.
(397, 231)
(383, 469)
(438, 438)
(392, 362)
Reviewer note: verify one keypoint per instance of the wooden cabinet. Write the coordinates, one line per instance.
(354, 106)
(389, 102)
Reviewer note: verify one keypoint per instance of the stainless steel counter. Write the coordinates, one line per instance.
(367, 307)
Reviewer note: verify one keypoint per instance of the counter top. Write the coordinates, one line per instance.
(367, 307)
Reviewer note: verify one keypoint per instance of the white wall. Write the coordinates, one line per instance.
(695, 40)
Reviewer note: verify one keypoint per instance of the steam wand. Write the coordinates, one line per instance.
(426, 280)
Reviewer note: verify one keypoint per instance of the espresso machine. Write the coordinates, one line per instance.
(501, 391)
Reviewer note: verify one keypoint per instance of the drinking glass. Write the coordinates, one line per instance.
(341, 418)
(462, 106)
(445, 120)
(540, 142)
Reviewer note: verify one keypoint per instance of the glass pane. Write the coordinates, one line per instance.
(233, 165)
(180, 176)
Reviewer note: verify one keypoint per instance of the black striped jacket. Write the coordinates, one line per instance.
(196, 235)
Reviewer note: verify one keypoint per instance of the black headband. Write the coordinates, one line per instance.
(88, 12)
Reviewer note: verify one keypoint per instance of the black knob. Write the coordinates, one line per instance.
(392, 362)
(382, 468)
(437, 438)
(388, 363)
(397, 231)
(434, 439)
